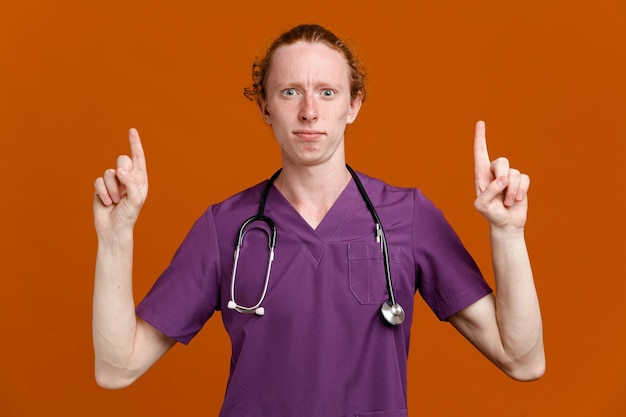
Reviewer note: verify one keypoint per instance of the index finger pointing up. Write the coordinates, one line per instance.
(136, 150)
(482, 164)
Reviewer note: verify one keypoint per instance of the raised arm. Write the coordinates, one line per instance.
(507, 327)
(125, 346)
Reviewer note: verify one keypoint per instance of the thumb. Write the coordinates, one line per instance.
(123, 161)
(493, 190)
(133, 193)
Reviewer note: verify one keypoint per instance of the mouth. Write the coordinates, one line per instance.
(308, 134)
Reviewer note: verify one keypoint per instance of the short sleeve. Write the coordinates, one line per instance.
(186, 294)
(448, 277)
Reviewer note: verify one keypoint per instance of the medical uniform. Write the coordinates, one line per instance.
(322, 349)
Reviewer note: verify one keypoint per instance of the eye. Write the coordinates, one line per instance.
(327, 92)
(289, 92)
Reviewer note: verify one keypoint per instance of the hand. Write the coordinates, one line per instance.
(501, 191)
(121, 192)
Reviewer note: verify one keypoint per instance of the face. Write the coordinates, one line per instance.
(308, 102)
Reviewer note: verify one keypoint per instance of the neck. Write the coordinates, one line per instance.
(312, 190)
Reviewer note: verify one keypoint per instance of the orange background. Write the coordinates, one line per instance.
(548, 77)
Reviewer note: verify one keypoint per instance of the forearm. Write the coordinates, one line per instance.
(114, 320)
(517, 307)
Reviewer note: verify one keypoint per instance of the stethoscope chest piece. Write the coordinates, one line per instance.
(393, 313)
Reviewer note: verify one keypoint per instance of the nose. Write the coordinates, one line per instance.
(308, 110)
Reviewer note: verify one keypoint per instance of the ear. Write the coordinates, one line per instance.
(355, 106)
(265, 112)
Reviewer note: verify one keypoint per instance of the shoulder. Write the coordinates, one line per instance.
(223, 219)
(249, 196)
(376, 185)
(390, 194)
(230, 211)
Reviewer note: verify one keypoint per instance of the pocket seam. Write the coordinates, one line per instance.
(364, 253)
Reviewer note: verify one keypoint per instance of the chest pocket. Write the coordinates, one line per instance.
(368, 283)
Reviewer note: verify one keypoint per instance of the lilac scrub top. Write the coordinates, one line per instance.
(322, 347)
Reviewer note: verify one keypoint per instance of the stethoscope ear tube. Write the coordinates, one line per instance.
(271, 243)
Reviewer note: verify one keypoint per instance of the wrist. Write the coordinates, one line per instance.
(506, 232)
(117, 237)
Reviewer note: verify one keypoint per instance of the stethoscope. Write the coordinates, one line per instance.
(391, 310)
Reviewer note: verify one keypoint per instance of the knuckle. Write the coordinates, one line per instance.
(500, 164)
(481, 204)
(123, 160)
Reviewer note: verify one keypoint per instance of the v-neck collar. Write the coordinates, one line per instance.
(288, 220)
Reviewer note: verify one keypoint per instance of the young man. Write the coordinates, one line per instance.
(317, 333)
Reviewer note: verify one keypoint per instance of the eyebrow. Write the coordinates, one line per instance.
(317, 85)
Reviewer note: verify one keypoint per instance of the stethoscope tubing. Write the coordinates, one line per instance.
(391, 311)
(380, 233)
